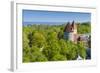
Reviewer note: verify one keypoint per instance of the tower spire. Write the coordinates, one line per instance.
(73, 23)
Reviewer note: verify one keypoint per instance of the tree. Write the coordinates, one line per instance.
(60, 35)
(25, 41)
(51, 49)
(58, 57)
(47, 52)
(26, 57)
(37, 39)
(84, 28)
(52, 36)
(72, 50)
(26, 48)
(38, 57)
(63, 45)
(82, 49)
(52, 46)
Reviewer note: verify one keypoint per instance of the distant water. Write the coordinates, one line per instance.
(45, 23)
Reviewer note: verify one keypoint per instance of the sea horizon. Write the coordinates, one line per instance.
(46, 23)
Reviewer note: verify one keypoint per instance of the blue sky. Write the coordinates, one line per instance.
(53, 16)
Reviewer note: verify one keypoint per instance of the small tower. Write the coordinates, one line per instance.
(70, 32)
(74, 27)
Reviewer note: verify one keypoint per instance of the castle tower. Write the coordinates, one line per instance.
(70, 32)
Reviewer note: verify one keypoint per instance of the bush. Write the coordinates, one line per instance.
(58, 57)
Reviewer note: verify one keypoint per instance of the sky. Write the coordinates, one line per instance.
(53, 16)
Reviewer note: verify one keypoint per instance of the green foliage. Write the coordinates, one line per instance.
(82, 50)
(26, 54)
(36, 39)
(84, 28)
(58, 57)
(72, 51)
(25, 41)
(51, 49)
(26, 58)
(63, 46)
(46, 43)
(60, 35)
(38, 57)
